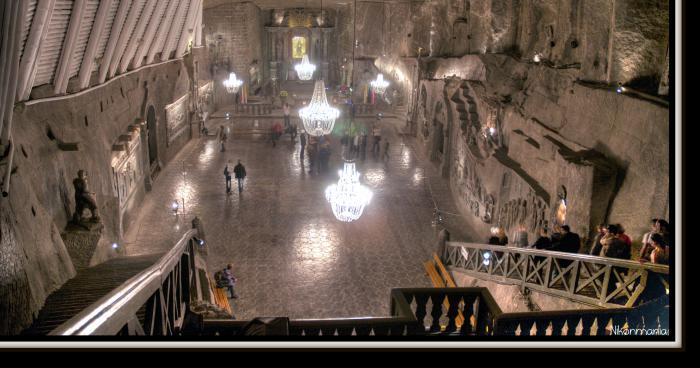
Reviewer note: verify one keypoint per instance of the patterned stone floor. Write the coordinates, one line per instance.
(290, 254)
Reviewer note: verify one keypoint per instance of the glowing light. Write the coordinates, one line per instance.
(379, 85)
(305, 70)
(115, 245)
(348, 198)
(319, 117)
(232, 84)
(175, 206)
(537, 58)
(487, 258)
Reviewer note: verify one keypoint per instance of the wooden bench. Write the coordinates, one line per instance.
(441, 278)
(220, 296)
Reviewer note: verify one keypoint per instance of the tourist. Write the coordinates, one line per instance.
(658, 226)
(377, 136)
(231, 280)
(240, 173)
(276, 133)
(543, 242)
(293, 132)
(302, 138)
(286, 111)
(556, 236)
(363, 144)
(355, 149)
(227, 175)
(498, 236)
(223, 137)
(627, 250)
(569, 242)
(660, 251)
(613, 246)
(386, 150)
(596, 245)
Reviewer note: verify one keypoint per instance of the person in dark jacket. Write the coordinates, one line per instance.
(227, 175)
(543, 242)
(230, 280)
(240, 173)
(569, 242)
(498, 237)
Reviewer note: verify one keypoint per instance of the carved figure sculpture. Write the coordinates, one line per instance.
(84, 199)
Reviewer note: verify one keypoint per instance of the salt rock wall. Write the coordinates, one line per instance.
(33, 258)
(517, 140)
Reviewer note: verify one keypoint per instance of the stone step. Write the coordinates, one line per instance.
(86, 288)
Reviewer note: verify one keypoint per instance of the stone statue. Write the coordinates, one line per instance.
(254, 73)
(84, 199)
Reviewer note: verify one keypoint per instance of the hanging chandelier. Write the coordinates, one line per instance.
(379, 85)
(305, 70)
(232, 84)
(348, 198)
(319, 117)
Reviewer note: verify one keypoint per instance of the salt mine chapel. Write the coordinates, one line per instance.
(354, 171)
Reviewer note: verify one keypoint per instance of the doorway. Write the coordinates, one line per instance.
(151, 127)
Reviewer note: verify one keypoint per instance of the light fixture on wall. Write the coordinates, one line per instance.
(319, 117)
(305, 70)
(233, 84)
(348, 198)
(379, 85)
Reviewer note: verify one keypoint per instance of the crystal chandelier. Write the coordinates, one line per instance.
(305, 70)
(232, 84)
(319, 117)
(348, 198)
(380, 84)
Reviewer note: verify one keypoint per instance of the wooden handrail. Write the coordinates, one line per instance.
(111, 313)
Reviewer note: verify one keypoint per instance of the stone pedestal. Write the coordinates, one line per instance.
(81, 242)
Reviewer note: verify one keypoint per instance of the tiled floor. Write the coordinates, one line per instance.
(290, 254)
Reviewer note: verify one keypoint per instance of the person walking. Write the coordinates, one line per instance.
(223, 137)
(377, 135)
(363, 144)
(386, 150)
(302, 138)
(286, 111)
(240, 173)
(227, 175)
(276, 133)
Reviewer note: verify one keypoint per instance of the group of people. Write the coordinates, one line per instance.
(240, 174)
(357, 142)
(319, 151)
(610, 241)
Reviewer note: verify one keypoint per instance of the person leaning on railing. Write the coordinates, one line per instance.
(658, 226)
(660, 250)
(613, 245)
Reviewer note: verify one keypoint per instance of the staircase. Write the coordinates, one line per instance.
(89, 286)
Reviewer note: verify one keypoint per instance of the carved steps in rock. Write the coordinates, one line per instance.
(86, 288)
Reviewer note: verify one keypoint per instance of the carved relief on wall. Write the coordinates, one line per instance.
(481, 129)
(530, 211)
(206, 96)
(126, 165)
(176, 115)
(423, 112)
(477, 199)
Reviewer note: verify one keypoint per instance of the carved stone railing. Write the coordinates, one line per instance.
(257, 109)
(460, 311)
(597, 281)
(648, 319)
(163, 290)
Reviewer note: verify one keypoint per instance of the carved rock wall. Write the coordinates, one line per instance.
(521, 134)
(33, 258)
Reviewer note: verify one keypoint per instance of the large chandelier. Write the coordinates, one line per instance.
(379, 85)
(348, 198)
(319, 117)
(305, 70)
(232, 84)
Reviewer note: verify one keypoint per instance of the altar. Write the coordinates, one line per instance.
(293, 33)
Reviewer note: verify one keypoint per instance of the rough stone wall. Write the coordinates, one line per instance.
(608, 152)
(33, 258)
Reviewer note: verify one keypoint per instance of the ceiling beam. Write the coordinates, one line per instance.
(174, 33)
(88, 63)
(124, 37)
(117, 27)
(30, 57)
(147, 15)
(188, 27)
(61, 75)
(162, 31)
(150, 33)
